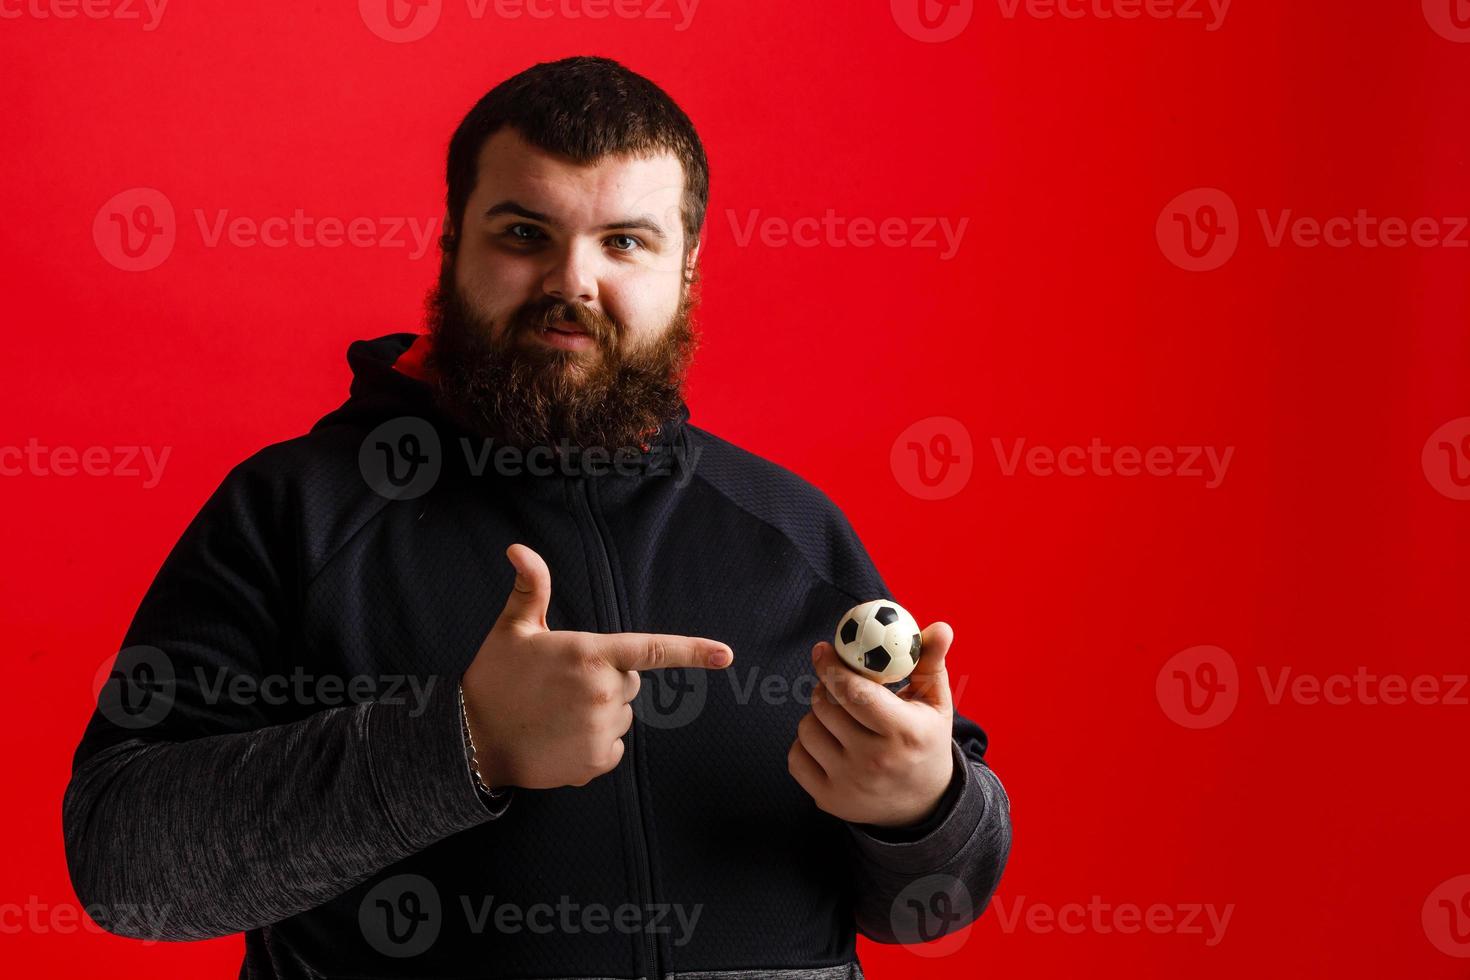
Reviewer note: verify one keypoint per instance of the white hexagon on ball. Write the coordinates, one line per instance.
(878, 639)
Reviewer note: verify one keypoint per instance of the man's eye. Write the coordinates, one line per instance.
(523, 233)
(625, 243)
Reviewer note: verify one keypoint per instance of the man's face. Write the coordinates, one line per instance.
(564, 311)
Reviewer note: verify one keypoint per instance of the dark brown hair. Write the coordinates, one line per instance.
(583, 108)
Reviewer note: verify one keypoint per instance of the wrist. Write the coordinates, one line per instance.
(478, 764)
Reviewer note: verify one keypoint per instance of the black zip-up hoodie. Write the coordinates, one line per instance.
(280, 749)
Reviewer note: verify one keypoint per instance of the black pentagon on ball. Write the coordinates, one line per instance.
(876, 659)
(886, 615)
(849, 630)
(915, 645)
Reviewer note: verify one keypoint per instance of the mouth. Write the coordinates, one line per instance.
(567, 335)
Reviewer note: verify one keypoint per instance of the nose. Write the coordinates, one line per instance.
(573, 278)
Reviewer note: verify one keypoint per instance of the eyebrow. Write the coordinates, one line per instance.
(643, 222)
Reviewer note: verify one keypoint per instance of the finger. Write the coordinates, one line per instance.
(616, 754)
(655, 651)
(632, 684)
(873, 705)
(820, 744)
(929, 683)
(530, 596)
(804, 769)
(836, 719)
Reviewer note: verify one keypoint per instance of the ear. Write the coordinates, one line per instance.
(449, 235)
(691, 262)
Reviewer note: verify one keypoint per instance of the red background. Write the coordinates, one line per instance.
(1326, 548)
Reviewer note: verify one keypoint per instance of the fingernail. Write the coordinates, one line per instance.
(720, 658)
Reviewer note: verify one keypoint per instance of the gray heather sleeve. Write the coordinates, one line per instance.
(916, 884)
(193, 813)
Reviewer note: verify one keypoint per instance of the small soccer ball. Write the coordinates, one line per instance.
(879, 640)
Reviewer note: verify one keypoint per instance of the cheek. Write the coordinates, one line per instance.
(494, 288)
(490, 275)
(645, 310)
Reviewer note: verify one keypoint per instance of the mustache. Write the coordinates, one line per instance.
(555, 313)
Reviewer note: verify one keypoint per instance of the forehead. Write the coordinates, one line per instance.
(576, 194)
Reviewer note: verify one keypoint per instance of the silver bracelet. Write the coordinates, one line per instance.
(469, 745)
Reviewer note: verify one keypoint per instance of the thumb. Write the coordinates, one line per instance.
(929, 682)
(531, 595)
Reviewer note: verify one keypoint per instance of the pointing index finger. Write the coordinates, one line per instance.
(655, 651)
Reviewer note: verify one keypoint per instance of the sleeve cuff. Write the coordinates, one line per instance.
(928, 845)
(416, 751)
(495, 800)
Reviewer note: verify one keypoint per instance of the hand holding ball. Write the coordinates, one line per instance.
(879, 639)
(867, 754)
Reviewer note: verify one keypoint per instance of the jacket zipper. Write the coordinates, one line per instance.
(603, 564)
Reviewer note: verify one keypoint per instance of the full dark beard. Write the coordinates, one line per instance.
(525, 393)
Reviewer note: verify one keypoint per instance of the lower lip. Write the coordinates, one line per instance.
(566, 341)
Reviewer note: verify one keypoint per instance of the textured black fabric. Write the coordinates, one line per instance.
(304, 821)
